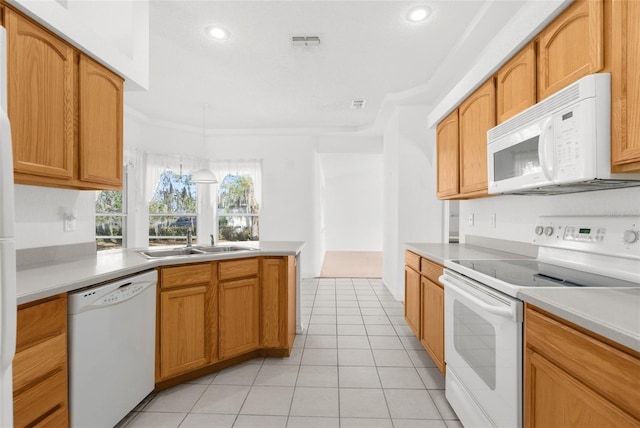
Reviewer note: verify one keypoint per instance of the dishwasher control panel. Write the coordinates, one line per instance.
(123, 293)
(111, 293)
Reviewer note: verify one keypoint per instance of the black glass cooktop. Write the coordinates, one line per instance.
(532, 273)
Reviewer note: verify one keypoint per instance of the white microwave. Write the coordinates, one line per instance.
(560, 145)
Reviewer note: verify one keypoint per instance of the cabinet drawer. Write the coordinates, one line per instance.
(185, 275)
(36, 361)
(609, 371)
(45, 397)
(238, 269)
(412, 260)
(41, 321)
(431, 270)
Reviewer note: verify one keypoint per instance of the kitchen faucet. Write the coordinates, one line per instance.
(213, 243)
(189, 237)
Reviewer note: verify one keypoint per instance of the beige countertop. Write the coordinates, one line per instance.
(610, 312)
(441, 252)
(37, 281)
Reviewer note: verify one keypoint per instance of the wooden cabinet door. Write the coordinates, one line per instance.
(557, 399)
(477, 116)
(447, 145)
(432, 321)
(516, 84)
(100, 131)
(625, 86)
(239, 317)
(412, 299)
(40, 100)
(184, 330)
(273, 301)
(571, 47)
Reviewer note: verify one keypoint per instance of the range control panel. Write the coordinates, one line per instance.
(610, 235)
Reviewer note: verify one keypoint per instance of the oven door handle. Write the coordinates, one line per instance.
(501, 311)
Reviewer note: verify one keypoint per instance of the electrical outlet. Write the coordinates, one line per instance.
(492, 220)
(69, 225)
(471, 219)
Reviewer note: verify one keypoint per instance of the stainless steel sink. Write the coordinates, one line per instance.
(191, 251)
(155, 254)
(224, 249)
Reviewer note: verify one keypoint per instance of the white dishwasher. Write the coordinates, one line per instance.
(111, 349)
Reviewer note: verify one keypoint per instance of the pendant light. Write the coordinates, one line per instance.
(204, 175)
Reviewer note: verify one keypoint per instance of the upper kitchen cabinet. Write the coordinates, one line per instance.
(477, 114)
(41, 76)
(100, 124)
(571, 47)
(447, 156)
(65, 111)
(516, 84)
(625, 85)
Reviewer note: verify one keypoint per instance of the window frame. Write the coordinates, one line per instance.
(123, 215)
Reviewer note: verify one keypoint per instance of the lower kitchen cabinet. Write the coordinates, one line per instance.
(187, 335)
(278, 302)
(424, 305)
(40, 388)
(432, 320)
(214, 314)
(573, 378)
(239, 317)
(412, 299)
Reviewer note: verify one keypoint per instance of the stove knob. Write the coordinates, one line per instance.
(630, 236)
(539, 230)
(548, 230)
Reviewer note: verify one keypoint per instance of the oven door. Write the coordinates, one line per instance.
(483, 352)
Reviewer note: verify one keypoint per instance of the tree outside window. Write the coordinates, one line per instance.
(173, 210)
(238, 209)
(110, 220)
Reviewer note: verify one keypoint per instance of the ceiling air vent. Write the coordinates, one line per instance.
(305, 40)
(358, 104)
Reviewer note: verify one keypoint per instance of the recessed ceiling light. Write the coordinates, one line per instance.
(218, 33)
(418, 14)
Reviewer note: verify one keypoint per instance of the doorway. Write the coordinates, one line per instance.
(351, 214)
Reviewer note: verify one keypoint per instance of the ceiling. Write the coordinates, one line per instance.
(256, 81)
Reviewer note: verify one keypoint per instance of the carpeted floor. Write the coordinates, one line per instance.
(352, 264)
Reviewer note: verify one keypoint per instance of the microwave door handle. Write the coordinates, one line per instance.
(501, 311)
(547, 169)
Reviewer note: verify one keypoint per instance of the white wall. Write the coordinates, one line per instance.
(412, 212)
(39, 216)
(116, 33)
(516, 215)
(352, 201)
(290, 177)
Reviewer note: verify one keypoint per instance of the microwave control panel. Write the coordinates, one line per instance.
(609, 235)
(568, 142)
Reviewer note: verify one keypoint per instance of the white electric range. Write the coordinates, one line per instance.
(483, 317)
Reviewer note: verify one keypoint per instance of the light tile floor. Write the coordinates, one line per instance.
(357, 365)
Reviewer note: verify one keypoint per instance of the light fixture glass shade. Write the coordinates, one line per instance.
(204, 176)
